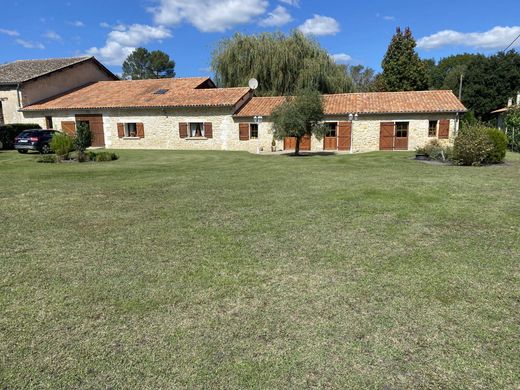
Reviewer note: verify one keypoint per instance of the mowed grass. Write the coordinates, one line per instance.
(170, 269)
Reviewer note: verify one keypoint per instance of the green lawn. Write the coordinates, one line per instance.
(170, 269)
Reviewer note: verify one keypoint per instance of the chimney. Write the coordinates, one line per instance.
(510, 102)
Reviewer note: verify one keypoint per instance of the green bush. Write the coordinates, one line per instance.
(472, 146)
(499, 141)
(435, 150)
(82, 140)
(9, 132)
(62, 144)
(106, 156)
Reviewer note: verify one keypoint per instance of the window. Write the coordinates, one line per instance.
(401, 129)
(331, 132)
(196, 129)
(1, 114)
(161, 91)
(48, 122)
(253, 130)
(130, 129)
(432, 129)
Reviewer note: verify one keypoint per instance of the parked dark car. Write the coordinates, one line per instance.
(34, 140)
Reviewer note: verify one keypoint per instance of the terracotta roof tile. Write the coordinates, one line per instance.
(368, 103)
(177, 92)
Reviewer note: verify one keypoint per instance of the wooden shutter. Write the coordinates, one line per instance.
(444, 128)
(208, 130)
(68, 127)
(243, 131)
(183, 129)
(344, 135)
(120, 130)
(140, 129)
(386, 136)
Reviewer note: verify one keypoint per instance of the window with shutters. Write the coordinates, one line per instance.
(131, 130)
(48, 122)
(401, 129)
(253, 130)
(196, 129)
(432, 129)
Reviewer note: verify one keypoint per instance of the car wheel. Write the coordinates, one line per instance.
(23, 151)
(45, 149)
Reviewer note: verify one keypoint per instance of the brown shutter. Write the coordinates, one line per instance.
(140, 129)
(444, 128)
(386, 136)
(243, 131)
(344, 135)
(68, 127)
(120, 130)
(183, 129)
(208, 130)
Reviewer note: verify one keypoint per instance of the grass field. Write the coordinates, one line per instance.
(170, 269)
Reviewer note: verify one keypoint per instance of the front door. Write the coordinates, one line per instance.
(386, 136)
(330, 141)
(95, 124)
(401, 136)
(344, 135)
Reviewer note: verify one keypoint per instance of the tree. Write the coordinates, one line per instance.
(299, 116)
(282, 64)
(363, 78)
(142, 64)
(403, 70)
(82, 140)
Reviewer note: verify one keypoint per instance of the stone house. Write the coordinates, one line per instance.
(193, 114)
(25, 82)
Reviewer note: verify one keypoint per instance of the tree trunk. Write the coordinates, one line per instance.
(297, 147)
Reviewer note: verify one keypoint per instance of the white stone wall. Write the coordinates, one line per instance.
(9, 98)
(162, 129)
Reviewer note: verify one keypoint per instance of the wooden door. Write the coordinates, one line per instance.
(330, 141)
(386, 136)
(401, 136)
(95, 123)
(289, 143)
(344, 135)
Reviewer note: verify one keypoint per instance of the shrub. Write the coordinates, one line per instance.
(62, 144)
(435, 150)
(82, 140)
(106, 156)
(9, 132)
(47, 158)
(499, 141)
(472, 146)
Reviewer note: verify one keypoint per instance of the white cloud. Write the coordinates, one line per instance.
(208, 15)
(341, 58)
(294, 3)
(29, 44)
(11, 33)
(320, 25)
(496, 38)
(277, 18)
(52, 35)
(122, 40)
(389, 18)
(104, 25)
(77, 23)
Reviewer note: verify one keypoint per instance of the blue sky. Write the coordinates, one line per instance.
(353, 32)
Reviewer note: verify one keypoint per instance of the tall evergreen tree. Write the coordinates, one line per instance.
(403, 70)
(142, 64)
(283, 64)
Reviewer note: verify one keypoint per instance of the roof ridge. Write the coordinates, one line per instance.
(54, 58)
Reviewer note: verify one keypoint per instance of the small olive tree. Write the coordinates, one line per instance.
(82, 140)
(299, 116)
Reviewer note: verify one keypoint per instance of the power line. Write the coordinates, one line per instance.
(511, 44)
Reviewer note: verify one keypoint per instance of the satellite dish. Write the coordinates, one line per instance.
(253, 83)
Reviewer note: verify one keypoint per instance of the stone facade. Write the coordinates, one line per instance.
(161, 129)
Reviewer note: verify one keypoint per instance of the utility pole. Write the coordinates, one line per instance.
(460, 86)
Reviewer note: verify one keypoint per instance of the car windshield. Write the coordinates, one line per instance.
(28, 133)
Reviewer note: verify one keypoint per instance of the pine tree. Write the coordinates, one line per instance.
(142, 64)
(403, 70)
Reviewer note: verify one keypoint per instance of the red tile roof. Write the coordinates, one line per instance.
(367, 103)
(177, 92)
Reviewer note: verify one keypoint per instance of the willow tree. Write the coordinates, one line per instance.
(282, 64)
